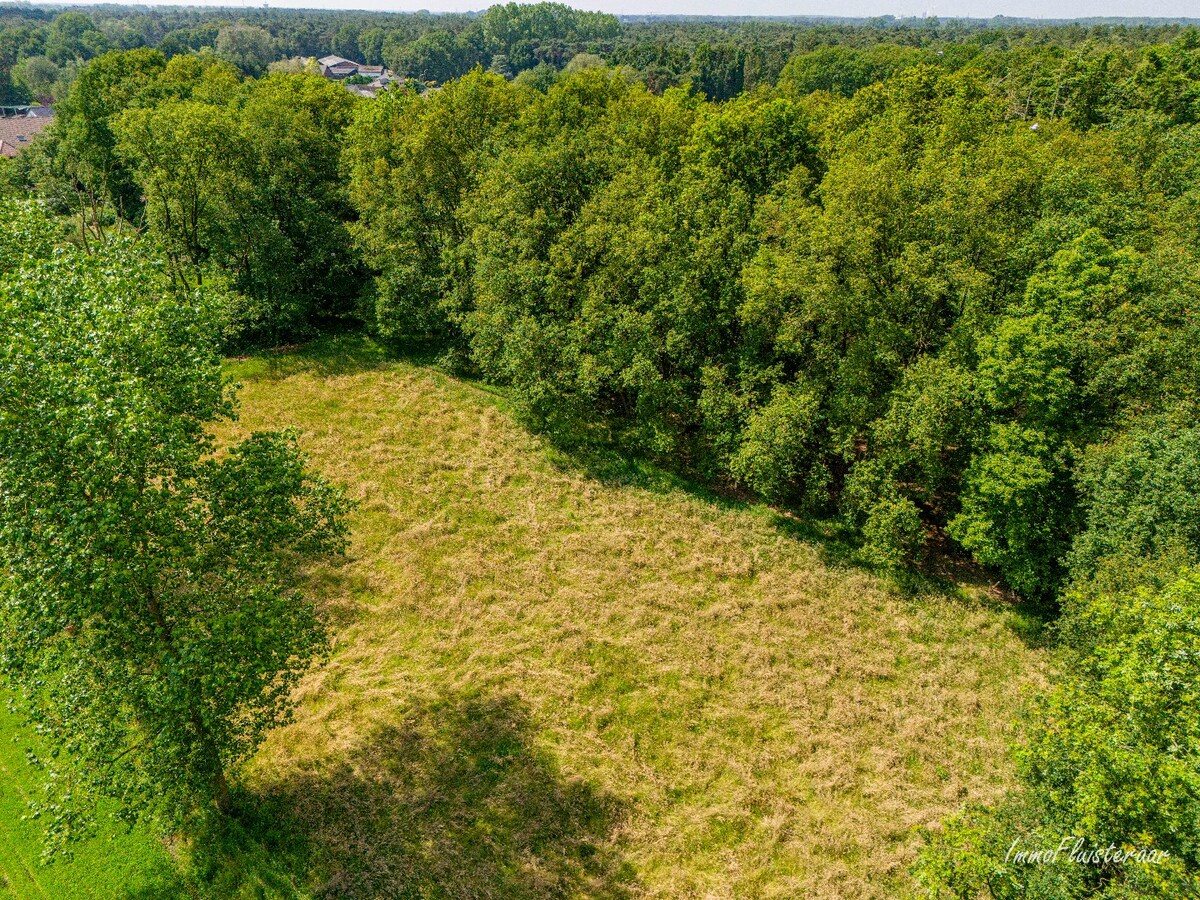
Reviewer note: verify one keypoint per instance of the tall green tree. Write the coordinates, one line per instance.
(85, 169)
(248, 47)
(265, 210)
(37, 75)
(412, 162)
(150, 617)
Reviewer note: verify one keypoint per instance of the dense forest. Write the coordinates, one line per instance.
(935, 282)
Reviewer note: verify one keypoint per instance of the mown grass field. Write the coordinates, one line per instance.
(555, 676)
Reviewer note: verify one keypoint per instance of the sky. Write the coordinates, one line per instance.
(1046, 9)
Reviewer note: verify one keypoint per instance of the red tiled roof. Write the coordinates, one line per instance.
(16, 132)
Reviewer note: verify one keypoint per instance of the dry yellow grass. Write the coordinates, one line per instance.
(544, 683)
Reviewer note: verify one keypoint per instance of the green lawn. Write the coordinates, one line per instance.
(114, 865)
(556, 675)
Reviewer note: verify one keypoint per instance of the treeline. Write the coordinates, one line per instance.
(42, 48)
(922, 307)
(945, 292)
(40, 51)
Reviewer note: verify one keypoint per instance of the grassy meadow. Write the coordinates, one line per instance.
(564, 676)
(556, 675)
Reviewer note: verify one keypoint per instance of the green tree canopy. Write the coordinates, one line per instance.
(150, 618)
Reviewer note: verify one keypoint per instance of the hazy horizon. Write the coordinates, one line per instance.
(976, 9)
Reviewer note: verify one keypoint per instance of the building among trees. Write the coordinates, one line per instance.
(19, 125)
(360, 78)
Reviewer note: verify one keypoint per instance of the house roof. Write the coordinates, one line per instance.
(331, 60)
(340, 71)
(17, 131)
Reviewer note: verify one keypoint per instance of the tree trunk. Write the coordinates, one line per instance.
(221, 791)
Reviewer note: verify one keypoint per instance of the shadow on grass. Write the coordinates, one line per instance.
(945, 572)
(341, 354)
(349, 353)
(455, 802)
(602, 461)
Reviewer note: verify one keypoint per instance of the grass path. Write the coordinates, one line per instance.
(547, 683)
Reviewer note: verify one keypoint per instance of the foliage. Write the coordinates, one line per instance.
(266, 212)
(844, 70)
(411, 164)
(248, 47)
(1113, 761)
(84, 171)
(150, 619)
(776, 452)
(936, 279)
(37, 75)
(1142, 493)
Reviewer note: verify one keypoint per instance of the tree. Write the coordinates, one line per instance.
(501, 67)
(151, 621)
(72, 35)
(84, 146)
(412, 161)
(843, 70)
(296, 259)
(1051, 375)
(37, 75)
(187, 186)
(581, 61)
(718, 71)
(248, 47)
(345, 42)
(776, 453)
(434, 56)
(1113, 761)
(1142, 499)
(266, 212)
(370, 45)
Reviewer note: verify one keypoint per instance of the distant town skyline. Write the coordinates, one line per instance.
(976, 9)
